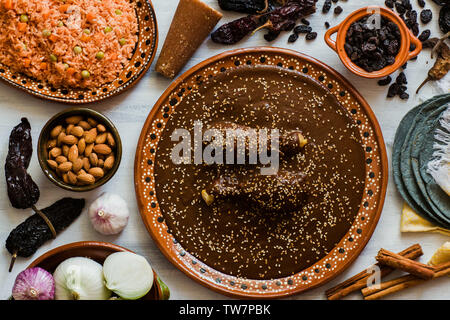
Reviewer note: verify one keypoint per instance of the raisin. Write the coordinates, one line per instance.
(305, 22)
(425, 35)
(311, 36)
(385, 81)
(338, 10)
(426, 16)
(389, 4)
(400, 8)
(393, 90)
(327, 24)
(302, 29)
(293, 37)
(326, 6)
(404, 96)
(421, 3)
(401, 79)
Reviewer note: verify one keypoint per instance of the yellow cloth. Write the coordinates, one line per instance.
(442, 255)
(412, 222)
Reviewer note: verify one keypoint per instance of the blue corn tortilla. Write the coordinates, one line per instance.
(416, 192)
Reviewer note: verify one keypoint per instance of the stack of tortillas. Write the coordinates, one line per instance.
(421, 165)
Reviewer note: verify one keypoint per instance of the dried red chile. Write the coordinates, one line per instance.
(28, 236)
(372, 49)
(444, 18)
(245, 6)
(22, 190)
(280, 19)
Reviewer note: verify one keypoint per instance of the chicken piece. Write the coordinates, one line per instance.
(283, 192)
(290, 142)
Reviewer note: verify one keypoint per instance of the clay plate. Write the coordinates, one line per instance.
(350, 245)
(140, 62)
(97, 251)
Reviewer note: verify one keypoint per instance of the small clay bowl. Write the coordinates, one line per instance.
(60, 119)
(403, 55)
(97, 251)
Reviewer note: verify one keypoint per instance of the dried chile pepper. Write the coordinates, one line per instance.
(246, 6)
(444, 19)
(442, 65)
(280, 19)
(28, 236)
(22, 190)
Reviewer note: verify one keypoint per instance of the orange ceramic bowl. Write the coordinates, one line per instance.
(97, 251)
(403, 55)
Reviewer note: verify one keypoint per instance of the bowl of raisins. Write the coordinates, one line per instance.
(373, 42)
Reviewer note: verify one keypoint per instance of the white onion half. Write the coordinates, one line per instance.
(128, 275)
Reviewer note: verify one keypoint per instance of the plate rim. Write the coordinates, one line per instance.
(116, 92)
(384, 172)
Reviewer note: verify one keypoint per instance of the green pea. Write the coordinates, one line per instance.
(85, 74)
(46, 33)
(66, 66)
(108, 29)
(77, 49)
(118, 12)
(23, 18)
(60, 24)
(122, 41)
(100, 55)
(53, 58)
(87, 31)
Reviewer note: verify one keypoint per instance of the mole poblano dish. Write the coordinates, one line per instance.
(242, 232)
(261, 172)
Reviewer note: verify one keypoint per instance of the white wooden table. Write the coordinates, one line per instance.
(129, 111)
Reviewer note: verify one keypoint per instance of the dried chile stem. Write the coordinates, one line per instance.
(266, 7)
(13, 260)
(47, 221)
(438, 44)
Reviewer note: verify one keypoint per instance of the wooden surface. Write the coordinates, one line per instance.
(129, 111)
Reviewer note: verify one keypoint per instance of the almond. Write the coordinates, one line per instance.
(72, 177)
(85, 125)
(73, 153)
(56, 131)
(55, 152)
(86, 178)
(90, 135)
(96, 172)
(100, 163)
(77, 165)
(70, 140)
(69, 128)
(86, 164)
(65, 178)
(60, 159)
(93, 159)
(102, 149)
(60, 138)
(52, 164)
(81, 145)
(81, 172)
(110, 139)
(65, 150)
(101, 128)
(101, 138)
(92, 122)
(109, 162)
(77, 131)
(51, 144)
(74, 119)
(66, 166)
(88, 149)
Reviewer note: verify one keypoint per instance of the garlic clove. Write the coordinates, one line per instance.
(128, 275)
(34, 284)
(109, 214)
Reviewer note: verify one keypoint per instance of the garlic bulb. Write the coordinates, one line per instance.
(34, 284)
(109, 214)
(128, 275)
(80, 279)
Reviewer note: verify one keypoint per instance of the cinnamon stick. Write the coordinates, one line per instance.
(397, 261)
(398, 284)
(359, 280)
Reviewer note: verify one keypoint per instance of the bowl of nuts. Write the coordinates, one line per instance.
(373, 42)
(79, 149)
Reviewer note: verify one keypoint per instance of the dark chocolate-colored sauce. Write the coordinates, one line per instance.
(231, 236)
